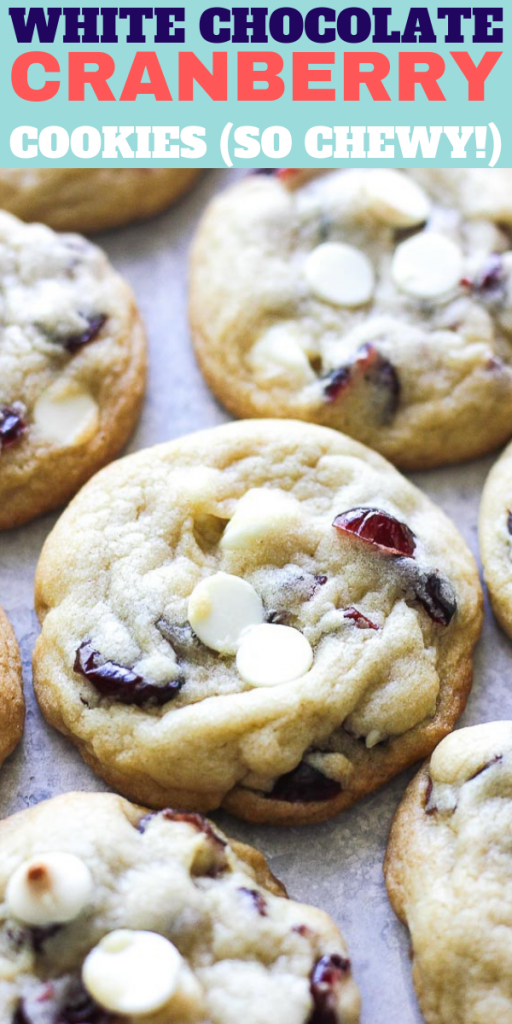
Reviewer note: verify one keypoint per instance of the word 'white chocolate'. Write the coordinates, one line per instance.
(262, 512)
(269, 655)
(427, 266)
(340, 274)
(278, 356)
(50, 889)
(220, 608)
(395, 199)
(132, 972)
(66, 416)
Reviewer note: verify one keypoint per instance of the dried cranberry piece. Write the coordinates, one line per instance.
(437, 597)
(304, 784)
(78, 341)
(326, 977)
(189, 817)
(486, 766)
(382, 530)
(38, 936)
(184, 642)
(64, 1001)
(197, 821)
(257, 899)
(278, 618)
(490, 282)
(12, 425)
(361, 621)
(337, 381)
(372, 367)
(79, 1008)
(430, 807)
(381, 375)
(279, 172)
(291, 587)
(120, 683)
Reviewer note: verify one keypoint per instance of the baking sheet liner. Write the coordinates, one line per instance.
(338, 865)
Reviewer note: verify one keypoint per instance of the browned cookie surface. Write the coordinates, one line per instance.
(448, 872)
(93, 199)
(112, 914)
(377, 302)
(265, 615)
(72, 366)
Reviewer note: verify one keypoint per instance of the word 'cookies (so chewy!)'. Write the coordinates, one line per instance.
(72, 366)
(449, 877)
(111, 913)
(264, 616)
(377, 302)
(92, 199)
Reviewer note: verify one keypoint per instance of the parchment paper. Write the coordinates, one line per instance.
(338, 865)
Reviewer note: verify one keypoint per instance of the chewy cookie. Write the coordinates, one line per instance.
(449, 877)
(265, 615)
(72, 366)
(92, 199)
(110, 913)
(11, 690)
(377, 302)
(495, 530)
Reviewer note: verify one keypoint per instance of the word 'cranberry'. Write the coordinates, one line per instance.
(304, 784)
(382, 530)
(12, 425)
(327, 975)
(120, 683)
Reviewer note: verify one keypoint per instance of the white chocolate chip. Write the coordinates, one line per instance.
(262, 512)
(269, 655)
(50, 889)
(340, 274)
(395, 199)
(279, 356)
(132, 972)
(220, 608)
(427, 266)
(66, 415)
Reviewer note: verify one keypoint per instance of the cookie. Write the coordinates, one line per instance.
(264, 616)
(93, 199)
(495, 529)
(111, 913)
(377, 302)
(449, 877)
(72, 366)
(11, 690)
